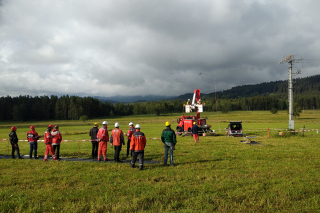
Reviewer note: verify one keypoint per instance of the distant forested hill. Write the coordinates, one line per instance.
(302, 86)
(264, 96)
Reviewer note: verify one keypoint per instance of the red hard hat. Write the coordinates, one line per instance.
(32, 127)
(13, 128)
(51, 126)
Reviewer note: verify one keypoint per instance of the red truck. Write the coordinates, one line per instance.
(185, 122)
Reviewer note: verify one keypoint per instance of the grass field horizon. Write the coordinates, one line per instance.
(218, 174)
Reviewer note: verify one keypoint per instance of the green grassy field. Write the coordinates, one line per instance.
(219, 174)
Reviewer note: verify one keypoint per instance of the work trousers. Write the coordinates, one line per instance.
(15, 147)
(128, 148)
(134, 159)
(117, 150)
(196, 137)
(49, 149)
(167, 147)
(33, 148)
(95, 146)
(102, 149)
(57, 147)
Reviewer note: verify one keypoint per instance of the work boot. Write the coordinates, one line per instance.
(45, 160)
(106, 159)
(141, 167)
(99, 159)
(36, 158)
(132, 165)
(21, 157)
(13, 157)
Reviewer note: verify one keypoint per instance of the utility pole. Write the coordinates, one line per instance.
(291, 60)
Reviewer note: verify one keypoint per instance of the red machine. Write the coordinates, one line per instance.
(185, 122)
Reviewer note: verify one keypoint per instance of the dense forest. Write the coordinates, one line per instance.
(265, 96)
(25, 108)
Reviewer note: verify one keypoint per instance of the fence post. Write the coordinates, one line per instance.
(79, 148)
(268, 133)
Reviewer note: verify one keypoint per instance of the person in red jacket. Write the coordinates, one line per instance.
(129, 135)
(137, 145)
(56, 141)
(117, 140)
(33, 138)
(103, 139)
(48, 142)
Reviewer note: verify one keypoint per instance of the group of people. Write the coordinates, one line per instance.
(99, 139)
(135, 145)
(51, 139)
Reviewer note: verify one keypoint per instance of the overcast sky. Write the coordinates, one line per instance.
(145, 47)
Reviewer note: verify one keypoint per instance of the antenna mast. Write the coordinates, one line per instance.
(291, 60)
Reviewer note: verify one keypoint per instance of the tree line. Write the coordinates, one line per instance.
(24, 108)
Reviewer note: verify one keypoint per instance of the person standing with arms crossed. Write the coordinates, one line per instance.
(137, 145)
(14, 142)
(129, 135)
(48, 142)
(117, 140)
(93, 133)
(103, 139)
(168, 137)
(33, 138)
(56, 141)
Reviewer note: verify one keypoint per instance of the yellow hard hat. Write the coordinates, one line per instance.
(96, 124)
(168, 123)
(194, 122)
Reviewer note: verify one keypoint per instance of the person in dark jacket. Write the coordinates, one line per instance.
(168, 137)
(93, 133)
(195, 132)
(14, 142)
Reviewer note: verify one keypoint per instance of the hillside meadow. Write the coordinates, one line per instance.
(219, 174)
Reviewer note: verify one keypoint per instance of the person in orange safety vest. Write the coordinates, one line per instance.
(137, 145)
(56, 141)
(129, 135)
(33, 138)
(48, 142)
(103, 139)
(117, 140)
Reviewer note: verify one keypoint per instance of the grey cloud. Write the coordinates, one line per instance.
(151, 48)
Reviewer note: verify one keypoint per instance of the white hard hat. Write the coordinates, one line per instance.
(105, 122)
(137, 126)
(116, 124)
(130, 124)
